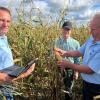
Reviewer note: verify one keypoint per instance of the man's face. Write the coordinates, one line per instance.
(5, 19)
(66, 32)
(95, 28)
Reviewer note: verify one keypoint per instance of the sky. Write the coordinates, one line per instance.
(80, 11)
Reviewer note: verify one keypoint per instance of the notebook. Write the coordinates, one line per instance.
(15, 70)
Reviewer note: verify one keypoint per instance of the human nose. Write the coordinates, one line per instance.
(5, 23)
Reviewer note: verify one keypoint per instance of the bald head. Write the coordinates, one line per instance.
(96, 20)
(97, 16)
(95, 27)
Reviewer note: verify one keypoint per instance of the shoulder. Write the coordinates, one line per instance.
(89, 40)
(74, 40)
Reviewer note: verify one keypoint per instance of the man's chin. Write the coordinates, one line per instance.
(3, 33)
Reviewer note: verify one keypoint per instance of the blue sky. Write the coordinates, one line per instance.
(79, 11)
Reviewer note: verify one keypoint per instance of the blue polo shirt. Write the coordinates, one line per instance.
(6, 58)
(91, 58)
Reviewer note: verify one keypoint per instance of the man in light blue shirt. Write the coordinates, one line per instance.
(67, 43)
(90, 69)
(6, 59)
(91, 52)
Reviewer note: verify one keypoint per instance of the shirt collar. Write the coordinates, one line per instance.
(3, 37)
(66, 39)
(92, 39)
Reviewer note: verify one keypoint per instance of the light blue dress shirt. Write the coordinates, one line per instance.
(6, 58)
(91, 58)
(67, 45)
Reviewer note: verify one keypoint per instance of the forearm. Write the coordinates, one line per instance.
(73, 54)
(80, 68)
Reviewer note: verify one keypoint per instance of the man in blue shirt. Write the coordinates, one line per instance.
(67, 43)
(6, 59)
(90, 69)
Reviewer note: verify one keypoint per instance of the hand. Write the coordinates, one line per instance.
(75, 76)
(60, 51)
(58, 56)
(25, 74)
(4, 77)
(63, 64)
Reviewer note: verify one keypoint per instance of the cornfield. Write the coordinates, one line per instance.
(29, 41)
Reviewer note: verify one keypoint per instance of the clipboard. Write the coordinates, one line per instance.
(15, 70)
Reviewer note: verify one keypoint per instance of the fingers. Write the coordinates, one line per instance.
(75, 76)
(61, 65)
(61, 52)
(15, 79)
(31, 69)
(64, 64)
(58, 50)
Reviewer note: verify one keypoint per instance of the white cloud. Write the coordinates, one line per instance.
(78, 9)
(79, 5)
(86, 14)
(43, 6)
(4, 3)
(97, 1)
(9, 3)
(60, 3)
